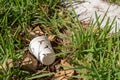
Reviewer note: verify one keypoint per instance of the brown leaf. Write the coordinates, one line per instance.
(9, 62)
(29, 63)
(37, 30)
(6, 63)
(60, 76)
(60, 13)
(84, 24)
(51, 37)
(64, 74)
(64, 63)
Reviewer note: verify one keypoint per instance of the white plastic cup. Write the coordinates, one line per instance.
(41, 48)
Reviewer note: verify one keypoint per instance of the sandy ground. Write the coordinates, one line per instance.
(86, 9)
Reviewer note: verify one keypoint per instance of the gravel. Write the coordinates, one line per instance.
(86, 9)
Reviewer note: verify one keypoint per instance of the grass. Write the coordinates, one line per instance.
(114, 1)
(96, 55)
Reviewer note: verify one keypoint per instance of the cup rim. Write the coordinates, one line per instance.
(37, 39)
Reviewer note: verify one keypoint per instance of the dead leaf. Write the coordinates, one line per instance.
(64, 63)
(85, 24)
(29, 63)
(51, 37)
(60, 76)
(6, 63)
(9, 62)
(37, 30)
(64, 74)
(60, 13)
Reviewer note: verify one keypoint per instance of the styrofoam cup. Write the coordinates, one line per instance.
(41, 48)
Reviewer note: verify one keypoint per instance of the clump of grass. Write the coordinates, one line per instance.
(114, 1)
(96, 53)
